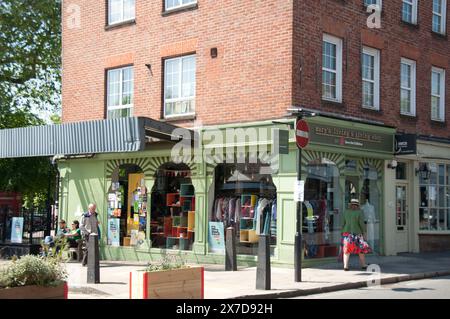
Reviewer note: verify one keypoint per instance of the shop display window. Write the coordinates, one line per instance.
(322, 210)
(325, 203)
(172, 224)
(370, 205)
(127, 207)
(244, 198)
(434, 200)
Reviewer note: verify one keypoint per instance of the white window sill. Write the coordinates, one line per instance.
(370, 108)
(438, 120)
(120, 23)
(331, 100)
(434, 232)
(187, 116)
(408, 114)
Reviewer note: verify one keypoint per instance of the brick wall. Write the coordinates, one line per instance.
(249, 80)
(348, 20)
(434, 242)
(269, 57)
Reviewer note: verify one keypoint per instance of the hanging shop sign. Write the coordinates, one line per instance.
(216, 237)
(281, 140)
(302, 133)
(351, 138)
(405, 144)
(17, 230)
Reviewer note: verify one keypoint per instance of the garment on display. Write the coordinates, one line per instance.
(370, 218)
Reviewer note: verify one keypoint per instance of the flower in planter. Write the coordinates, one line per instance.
(32, 270)
(167, 262)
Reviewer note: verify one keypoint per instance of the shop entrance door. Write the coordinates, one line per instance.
(401, 218)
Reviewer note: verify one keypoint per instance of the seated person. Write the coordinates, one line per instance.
(63, 229)
(74, 235)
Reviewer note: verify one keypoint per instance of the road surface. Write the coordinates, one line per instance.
(436, 288)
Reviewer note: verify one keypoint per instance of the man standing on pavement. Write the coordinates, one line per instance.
(88, 225)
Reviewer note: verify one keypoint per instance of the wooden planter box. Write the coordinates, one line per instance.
(170, 284)
(35, 292)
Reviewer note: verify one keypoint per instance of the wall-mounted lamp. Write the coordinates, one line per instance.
(423, 171)
(393, 164)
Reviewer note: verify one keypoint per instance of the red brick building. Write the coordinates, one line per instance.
(233, 62)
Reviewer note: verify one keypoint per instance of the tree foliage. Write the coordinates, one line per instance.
(30, 83)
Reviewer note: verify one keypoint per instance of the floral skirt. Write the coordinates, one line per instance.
(354, 244)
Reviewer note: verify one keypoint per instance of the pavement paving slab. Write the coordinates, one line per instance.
(219, 284)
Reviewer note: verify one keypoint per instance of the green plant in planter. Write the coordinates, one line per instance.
(58, 251)
(33, 270)
(167, 262)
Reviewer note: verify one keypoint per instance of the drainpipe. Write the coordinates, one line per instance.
(47, 203)
(57, 185)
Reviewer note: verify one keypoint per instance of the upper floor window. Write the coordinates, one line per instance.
(332, 68)
(437, 94)
(174, 4)
(120, 11)
(371, 78)
(439, 16)
(409, 11)
(120, 87)
(373, 2)
(179, 86)
(408, 87)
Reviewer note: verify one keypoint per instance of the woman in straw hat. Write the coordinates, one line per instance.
(353, 241)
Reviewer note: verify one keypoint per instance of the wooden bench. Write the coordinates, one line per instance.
(78, 251)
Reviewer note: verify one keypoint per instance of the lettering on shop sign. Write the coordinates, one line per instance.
(351, 138)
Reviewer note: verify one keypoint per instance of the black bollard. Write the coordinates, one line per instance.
(263, 277)
(230, 250)
(93, 271)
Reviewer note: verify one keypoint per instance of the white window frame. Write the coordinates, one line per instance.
(379, 3)
(441, 95)
(120, 106)
(438, 207)
(180, 99)
(442, 15)
(412, 64)
(376, 81)
(122, 13)
(166, 8)
(339, 45)
(414, 4)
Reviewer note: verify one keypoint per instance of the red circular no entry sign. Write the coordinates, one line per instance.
(302, 133)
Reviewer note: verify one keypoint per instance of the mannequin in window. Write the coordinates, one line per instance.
(369, 216)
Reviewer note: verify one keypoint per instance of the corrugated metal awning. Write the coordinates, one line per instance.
(81, 138)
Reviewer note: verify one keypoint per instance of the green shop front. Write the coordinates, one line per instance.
(151, 204)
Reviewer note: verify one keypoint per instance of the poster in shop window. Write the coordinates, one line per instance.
(216, 237)
(114, 232)
(17, 230)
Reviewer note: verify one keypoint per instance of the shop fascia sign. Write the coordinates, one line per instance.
(405, 144)
(351, 138)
